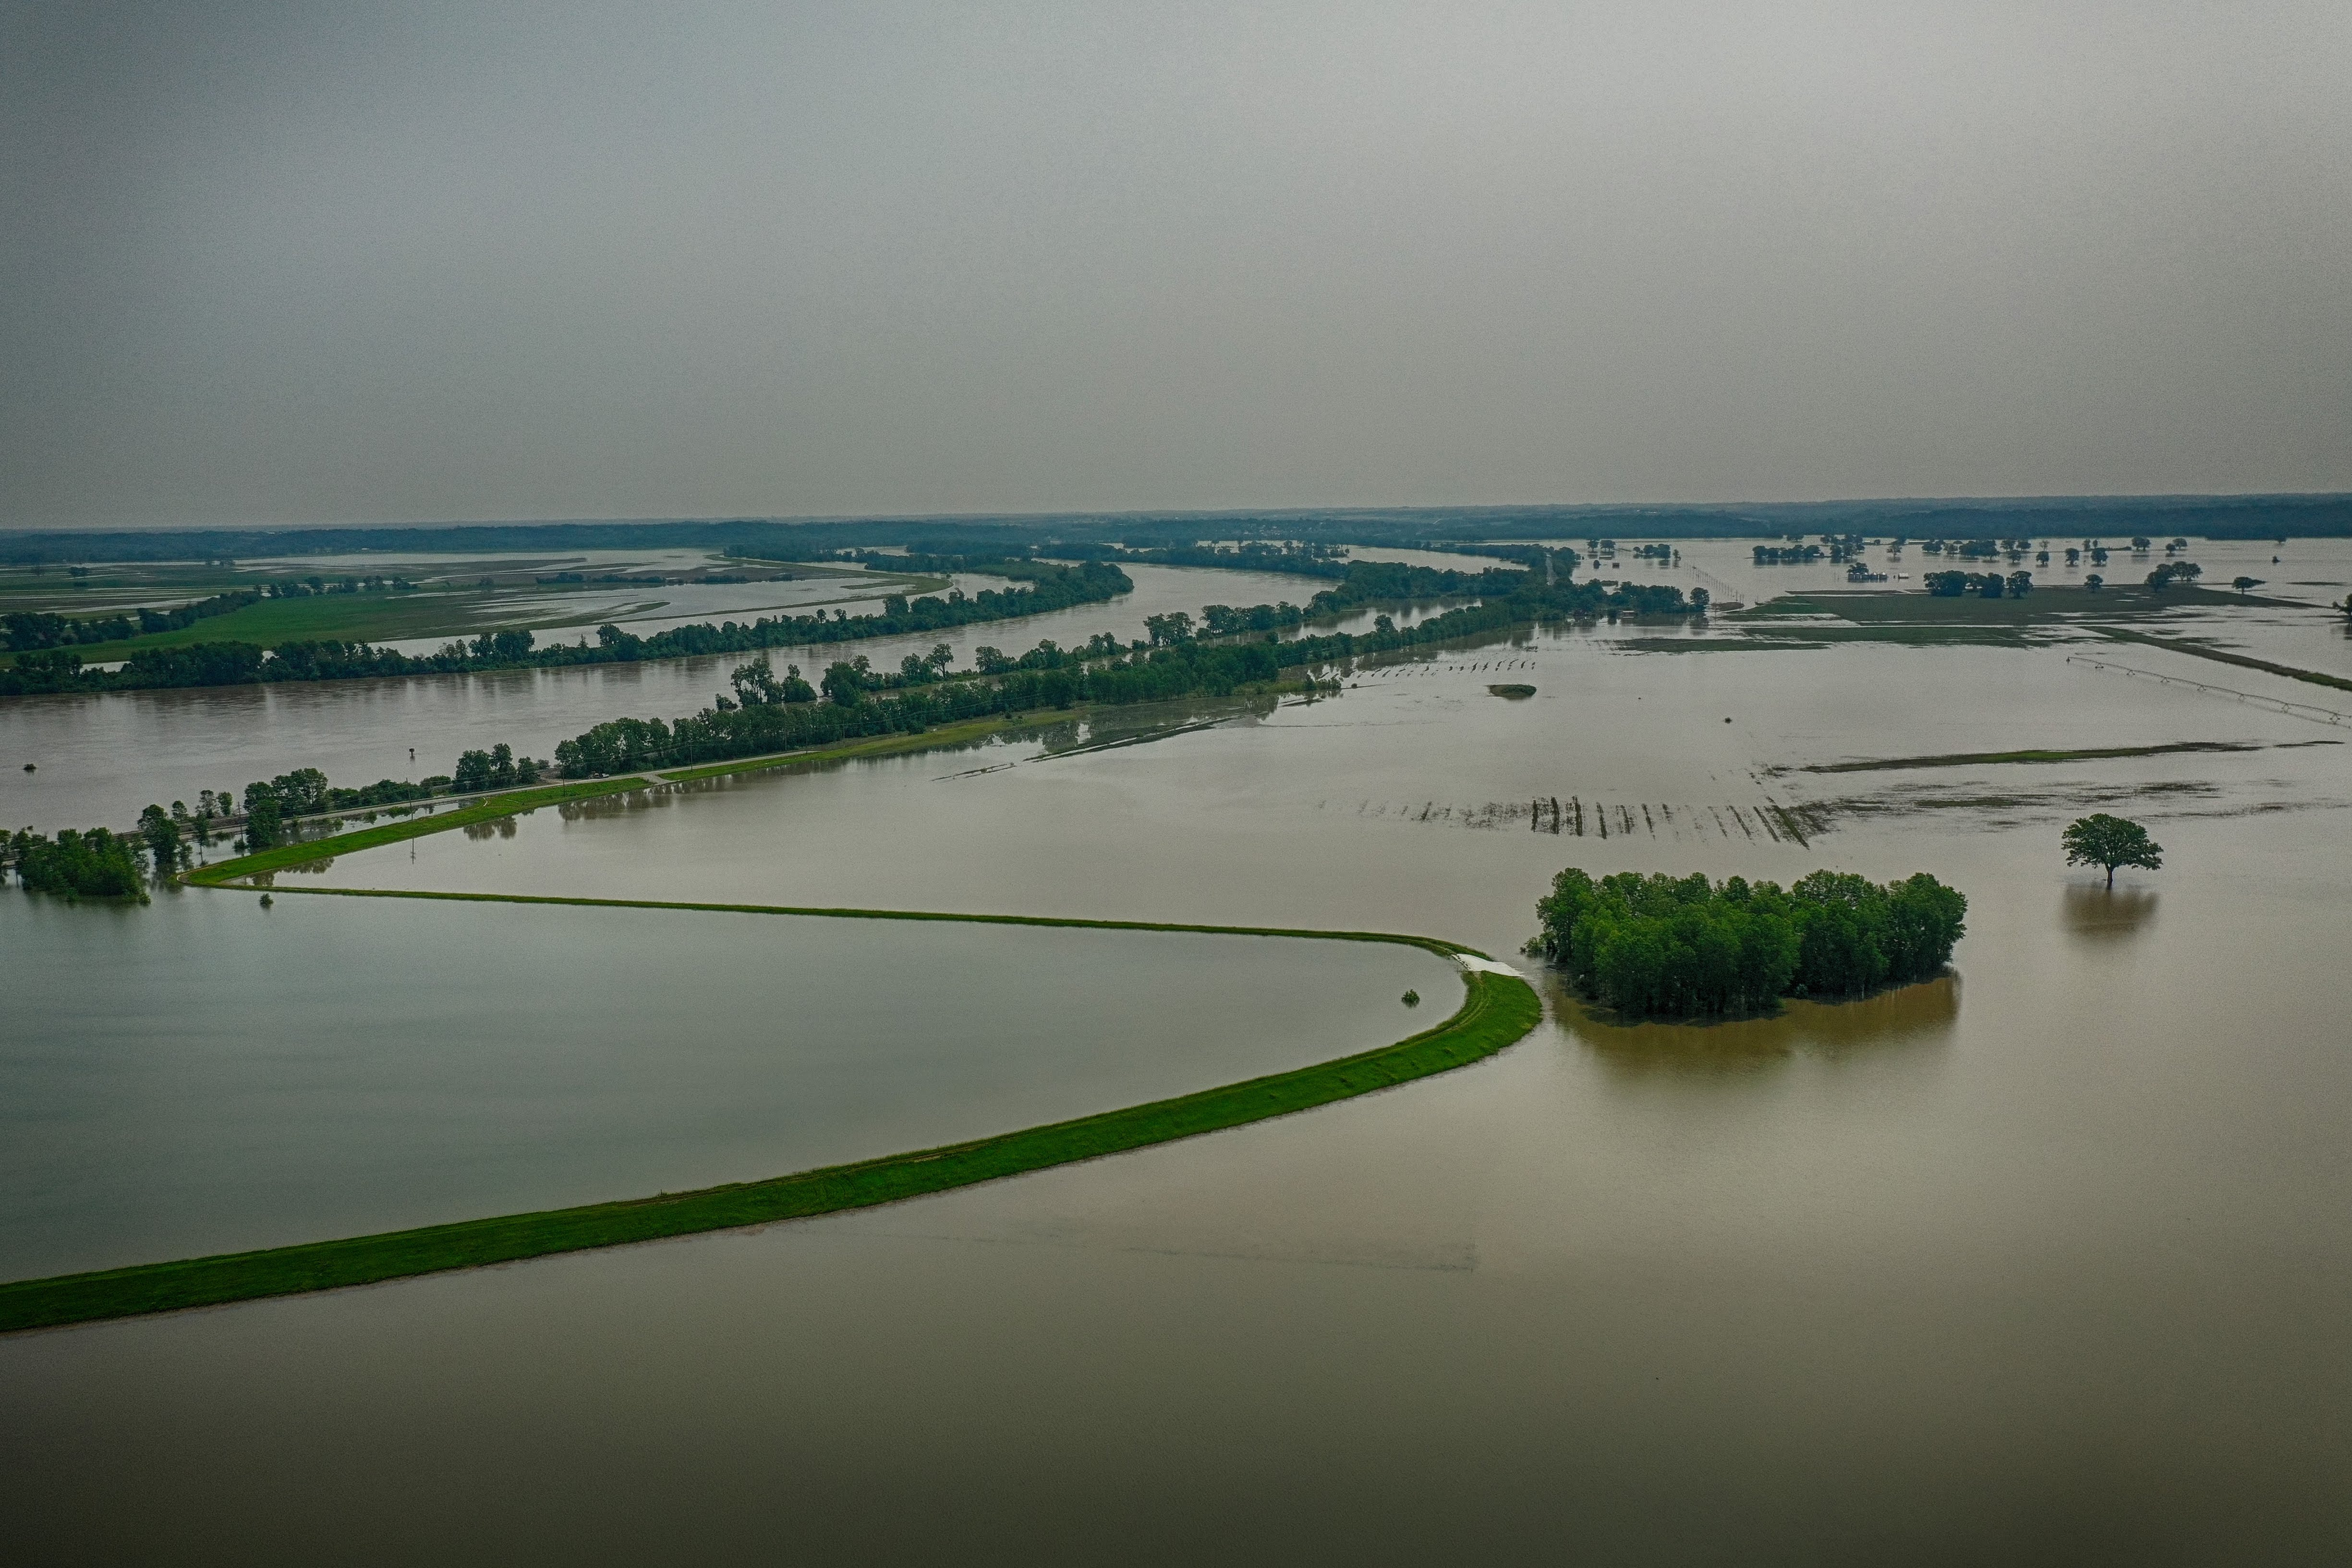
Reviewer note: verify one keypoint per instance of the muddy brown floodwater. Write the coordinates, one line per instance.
(2046, 1261)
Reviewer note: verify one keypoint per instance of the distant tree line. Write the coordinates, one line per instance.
(1562, 557)
(1301, 560)
(1657, 946)
(1049, 588)
(26, 631)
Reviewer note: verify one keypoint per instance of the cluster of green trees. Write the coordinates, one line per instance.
(2164, 577)
(28, 632)
(1658, 947)
(1987, 584)
(98, 864)
(497, 768)
(1506, 598)
(1049, 588)
(1536, 557)
(1297, 559)
(1048, 678)
(1787, 555)
(271, 804)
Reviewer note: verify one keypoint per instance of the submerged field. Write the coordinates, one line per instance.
(2042, 1252)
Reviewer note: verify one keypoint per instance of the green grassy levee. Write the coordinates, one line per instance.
(1496, 1011)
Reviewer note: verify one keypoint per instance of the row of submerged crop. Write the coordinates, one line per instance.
(1664, 947)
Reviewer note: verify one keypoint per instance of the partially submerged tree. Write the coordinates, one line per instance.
(2112, 841)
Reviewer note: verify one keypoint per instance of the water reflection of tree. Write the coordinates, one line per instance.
(2096, 915)
(1908, 1016)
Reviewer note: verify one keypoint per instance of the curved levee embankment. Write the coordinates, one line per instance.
(1497, 1009)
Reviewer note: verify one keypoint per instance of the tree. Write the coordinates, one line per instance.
(162, 836)
(845, 681)
(263, 818)
(2111, 841)
(2245, 585)
(2094, 583)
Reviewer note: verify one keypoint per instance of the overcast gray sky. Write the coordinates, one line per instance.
(297, 263)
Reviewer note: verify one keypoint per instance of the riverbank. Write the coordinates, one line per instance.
(1497, 1009)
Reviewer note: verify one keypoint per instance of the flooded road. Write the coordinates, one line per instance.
(2046, 1261)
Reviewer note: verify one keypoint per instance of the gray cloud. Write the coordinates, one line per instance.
(262, 263)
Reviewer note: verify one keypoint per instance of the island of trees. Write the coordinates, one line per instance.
(1662, 947)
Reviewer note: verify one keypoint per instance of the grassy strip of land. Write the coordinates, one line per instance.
(416, 827)
(1496, 1011)
(874, 746)
(517, 801)
(2244, 661)
(509, 805)
(1707, 645)
(1969, 759)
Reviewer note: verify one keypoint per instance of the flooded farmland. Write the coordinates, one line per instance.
(2045, 1259)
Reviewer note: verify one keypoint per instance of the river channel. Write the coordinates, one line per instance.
(2046, 1261)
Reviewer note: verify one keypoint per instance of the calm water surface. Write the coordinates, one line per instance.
(249, 1077)
(2045, 1262)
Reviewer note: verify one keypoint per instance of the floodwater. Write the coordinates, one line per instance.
(2046, 1261)
(332, 1067)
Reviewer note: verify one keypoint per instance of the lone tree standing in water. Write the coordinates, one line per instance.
(2112, 841)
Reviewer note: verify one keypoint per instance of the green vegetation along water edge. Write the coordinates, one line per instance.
(1047, 587)
(1664, 947)
(491, 809)
(1497, 1009)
